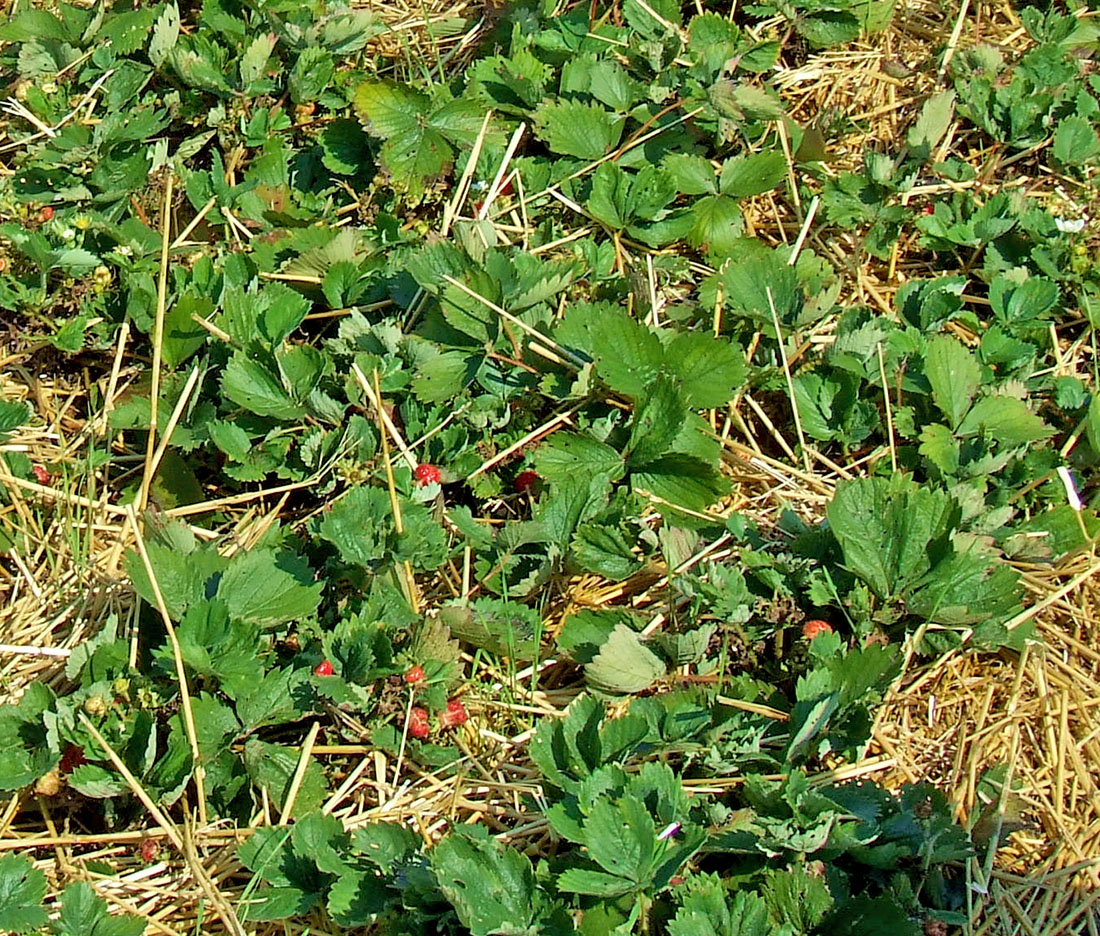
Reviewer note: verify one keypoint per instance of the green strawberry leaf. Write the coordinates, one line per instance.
(624, 664)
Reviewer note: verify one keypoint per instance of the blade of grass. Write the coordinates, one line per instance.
(181, 672)
(386, 424)
(158, 341)
(299, 774)
(406, 567)
(452, 208)
(790, 380)
(173, 420)
(161, 818)
(519, 323)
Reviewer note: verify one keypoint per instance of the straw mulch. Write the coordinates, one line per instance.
(948, 722)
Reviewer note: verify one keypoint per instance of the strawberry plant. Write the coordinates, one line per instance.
(590, 267)
(82, 911)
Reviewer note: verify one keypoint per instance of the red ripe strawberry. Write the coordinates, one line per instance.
(426, 474)
(454, 714)
(812, 628)
(148, 849)
(418, 723)
(929, 209)
(41, 474)
(414, 674)
(46, 214)
(324, 668)
(526, 481)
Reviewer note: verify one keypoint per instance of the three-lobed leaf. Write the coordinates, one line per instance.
(420, 139)
(84, 913)
(890, 530)
(22, 889)
(491, 885)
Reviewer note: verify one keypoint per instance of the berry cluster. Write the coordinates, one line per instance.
(419, 724)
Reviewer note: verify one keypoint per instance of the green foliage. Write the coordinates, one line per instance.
(262, 587)
(420, 138)
(585, 131)
(623, 664)
(585, 315)
(492, 886)
(22, 888)
(705, 911)
(904, 542)
(825, 23)
(82, 911)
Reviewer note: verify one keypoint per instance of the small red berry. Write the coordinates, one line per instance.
(812, 628)
(929, 209)
(414, 674)
(526, 481)
(418, 723)
(506, 188)
(46, 214)
(324, 668)
(72, 758)
(148, 849)
(454, 714)
(41, 474)
(426, 474)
